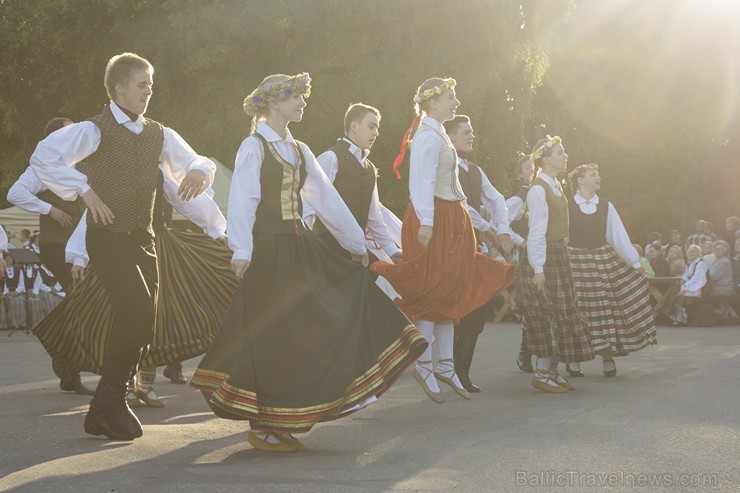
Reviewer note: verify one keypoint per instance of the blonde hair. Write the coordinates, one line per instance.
(119, 68)
(262, 112)
(427, 84)
(579, 172)
(694, 248)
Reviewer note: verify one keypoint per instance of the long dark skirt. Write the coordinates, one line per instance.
(551, 318)
(195, 288)
(308, 338)
(615, 299)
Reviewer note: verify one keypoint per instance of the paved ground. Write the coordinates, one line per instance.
(671, 415)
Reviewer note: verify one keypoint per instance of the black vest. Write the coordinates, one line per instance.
(12, 282)
(280, 210)
(587, 230)
(355, 184)
(124, 170)
(521, 225)
(471, 182)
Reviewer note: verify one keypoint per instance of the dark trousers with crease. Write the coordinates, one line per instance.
(52, 255)
(126, 264)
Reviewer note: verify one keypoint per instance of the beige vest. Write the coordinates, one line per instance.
(448, 185)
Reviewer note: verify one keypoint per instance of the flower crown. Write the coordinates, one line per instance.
(277, 91)
(443, 86)
(551, 141)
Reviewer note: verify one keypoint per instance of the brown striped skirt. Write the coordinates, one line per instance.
(309, 338)
(551, 318)
(196, 286)
(615, 299)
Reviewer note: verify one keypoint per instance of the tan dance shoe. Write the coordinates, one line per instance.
(541, 381)
(285, 446)
(450, 381)
(435, 396)
(149, 397)
(560, 380)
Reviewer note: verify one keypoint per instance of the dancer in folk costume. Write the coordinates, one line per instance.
(14, 294)
(556, 330)
(122, 150)
(519, 223)
(443, 277)
(480, 193)
(610, 285)
(195, 289)
(309, 337)
(355, 178)
(57, 220)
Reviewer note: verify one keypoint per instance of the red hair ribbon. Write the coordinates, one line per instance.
(404, 144)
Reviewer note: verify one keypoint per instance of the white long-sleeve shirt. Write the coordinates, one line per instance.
(23, 193)
(376, 227)
(423, 163)
(695, 277)
(515, 210)
(55, 156)
(201, 210)
(494, 203)
(616, 234)
(317, 191)
(538, 217)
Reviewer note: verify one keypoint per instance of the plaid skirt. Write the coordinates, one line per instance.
(615, 299)
(551, 318)
(196, 286)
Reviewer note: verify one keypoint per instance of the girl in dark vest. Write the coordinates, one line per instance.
(555, 328)
(443, 277)
(610, 284)
(14, 295)
(309, 337)
(519, 223)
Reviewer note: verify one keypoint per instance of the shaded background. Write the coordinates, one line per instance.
(649, 90)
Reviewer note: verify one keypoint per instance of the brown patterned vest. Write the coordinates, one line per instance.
(355, 184)
(124, 172)
(51, 231)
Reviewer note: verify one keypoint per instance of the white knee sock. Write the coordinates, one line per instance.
(426, 328)
(445, 336)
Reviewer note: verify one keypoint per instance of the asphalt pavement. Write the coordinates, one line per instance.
(669, 421)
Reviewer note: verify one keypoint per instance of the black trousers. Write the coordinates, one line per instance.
(473, 323)
(52, 255)
(126, 264)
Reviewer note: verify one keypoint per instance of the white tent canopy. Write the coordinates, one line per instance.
(15, 219)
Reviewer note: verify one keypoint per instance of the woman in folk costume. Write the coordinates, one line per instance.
(556, 330)
(443, 277)
(309, 337)
(14, 294)
(610, 285)
(195, 286)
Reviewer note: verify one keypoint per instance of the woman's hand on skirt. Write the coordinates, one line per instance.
(539, 281)
(78, 273)
(425, 235)
(362, 259)
(239, 267)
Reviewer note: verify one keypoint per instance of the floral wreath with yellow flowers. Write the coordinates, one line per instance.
(443, 86)
(551, 141)
(277, 91)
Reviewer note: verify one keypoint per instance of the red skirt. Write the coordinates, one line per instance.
(448, 279)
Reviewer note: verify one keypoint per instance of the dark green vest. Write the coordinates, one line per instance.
(280, 210)
(471, 182)
(124, 172)
(355, 184)
(557, 212)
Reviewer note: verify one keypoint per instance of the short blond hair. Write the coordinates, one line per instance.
(119, 68)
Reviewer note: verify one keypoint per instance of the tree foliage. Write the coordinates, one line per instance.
(208, 54)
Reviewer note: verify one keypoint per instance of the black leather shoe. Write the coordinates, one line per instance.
(571, 372)
(75, 384)
(115, 422)
(524, 363)
(471, 387)
(173, 371)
